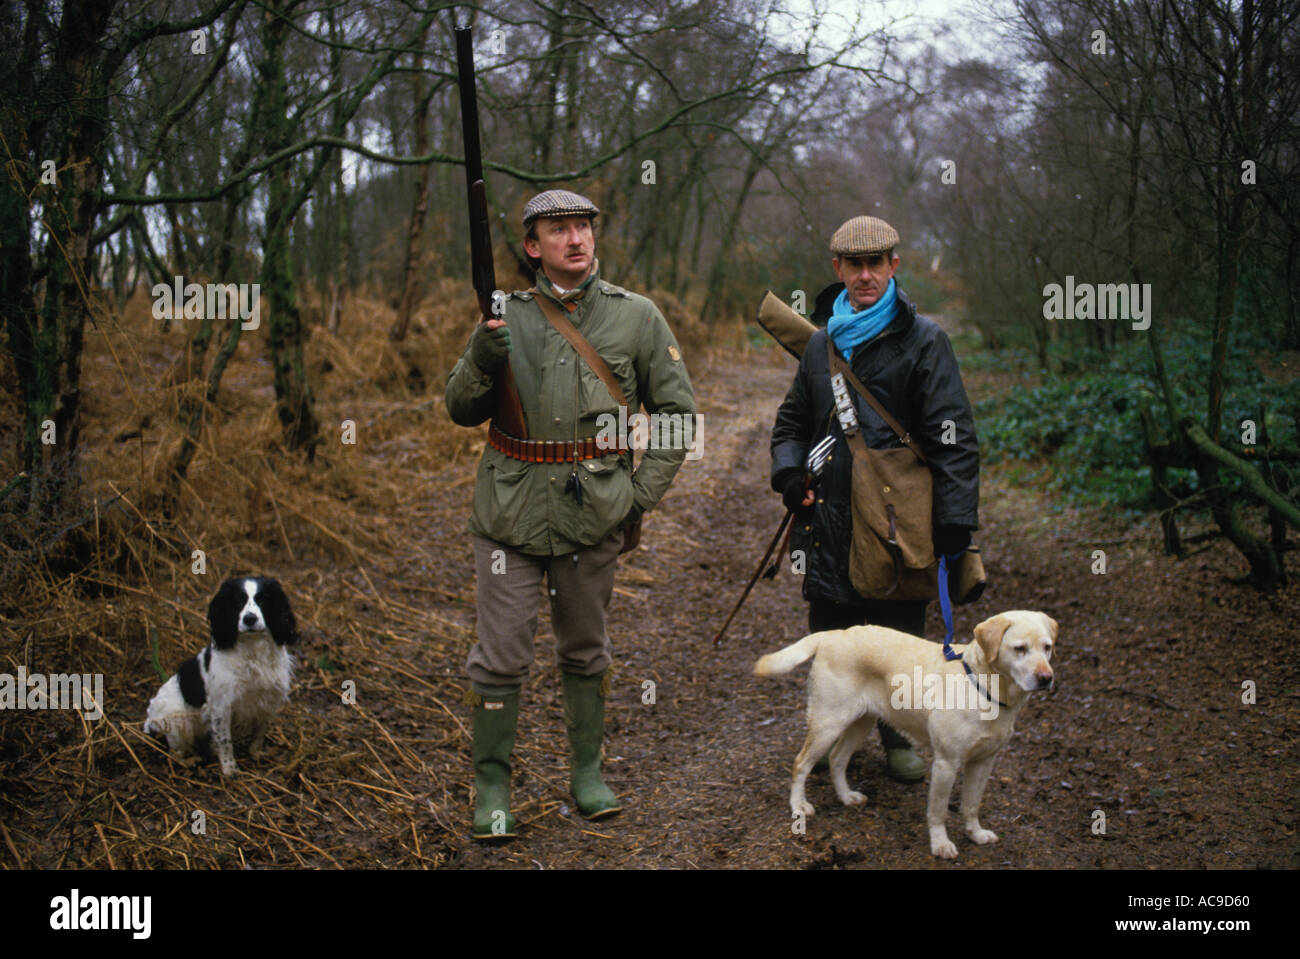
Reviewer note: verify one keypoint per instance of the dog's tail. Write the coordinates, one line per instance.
(782, 661)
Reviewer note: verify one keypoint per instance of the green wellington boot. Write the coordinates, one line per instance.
(496, 710)
(584, 717)
(905, 766)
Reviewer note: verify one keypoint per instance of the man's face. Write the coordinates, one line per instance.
(566, 246)
(865, 277)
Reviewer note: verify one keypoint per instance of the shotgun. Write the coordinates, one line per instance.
(509, 415)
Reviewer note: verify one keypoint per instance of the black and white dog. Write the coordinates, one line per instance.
(231, 690)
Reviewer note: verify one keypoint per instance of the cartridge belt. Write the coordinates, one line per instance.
(547, 451)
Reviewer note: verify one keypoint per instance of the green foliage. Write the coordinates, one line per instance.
(1083, 432)
(1187, 359)
(1087, 429)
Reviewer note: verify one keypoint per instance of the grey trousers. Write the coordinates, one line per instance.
(580, 587)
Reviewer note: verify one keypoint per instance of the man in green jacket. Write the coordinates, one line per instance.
(559, 502)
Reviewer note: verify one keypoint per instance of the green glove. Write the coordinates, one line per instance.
(489, 349)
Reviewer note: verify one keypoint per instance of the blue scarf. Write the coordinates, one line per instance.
(850, 330)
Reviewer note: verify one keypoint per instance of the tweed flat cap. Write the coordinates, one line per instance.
(862, 236)
(558, 203)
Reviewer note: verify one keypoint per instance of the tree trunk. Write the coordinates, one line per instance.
(295, 404)
(1266, 567)
(411, 266)
(46, 339)
(338, 225)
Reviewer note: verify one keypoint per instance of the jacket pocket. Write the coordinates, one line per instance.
(606, 496)
(501, 499)
(594, 396)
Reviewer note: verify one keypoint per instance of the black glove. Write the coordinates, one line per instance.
(793, 493)
(489, 349)
(950, 540)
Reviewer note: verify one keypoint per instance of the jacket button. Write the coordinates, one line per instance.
(561, 361)
(821, 501)
(816, 544)
(886, 489)
(807, 528)
(552, 479)
(557, 419)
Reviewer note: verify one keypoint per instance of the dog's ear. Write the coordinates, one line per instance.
(1051, 625)
(223, 614)
(989, 633)
(277, 612)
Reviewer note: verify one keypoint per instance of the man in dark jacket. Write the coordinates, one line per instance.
(908, 364)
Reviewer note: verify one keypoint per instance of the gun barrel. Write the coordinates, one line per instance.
(468, 106)
(483, 271)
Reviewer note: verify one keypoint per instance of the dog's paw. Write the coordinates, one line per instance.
(804, 808)
(943, 848)
(853, 798)
(229, 768)
(982, 836)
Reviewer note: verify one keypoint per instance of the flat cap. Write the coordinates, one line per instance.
(558, 203)
(862, 236)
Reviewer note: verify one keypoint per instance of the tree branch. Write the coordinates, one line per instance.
(1254, 482)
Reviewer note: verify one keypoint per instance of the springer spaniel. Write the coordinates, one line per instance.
(232, 689)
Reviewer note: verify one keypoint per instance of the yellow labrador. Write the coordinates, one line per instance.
(965, 709)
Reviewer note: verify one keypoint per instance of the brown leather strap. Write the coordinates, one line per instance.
(579, 342)
(837, 365)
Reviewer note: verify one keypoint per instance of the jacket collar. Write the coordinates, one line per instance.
(589, 285)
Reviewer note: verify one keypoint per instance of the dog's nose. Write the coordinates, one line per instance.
(1044, 680)
(250, 619)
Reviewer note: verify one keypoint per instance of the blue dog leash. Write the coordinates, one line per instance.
(945, 604)
(949, 653)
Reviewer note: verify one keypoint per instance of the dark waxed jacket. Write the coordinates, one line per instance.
(911, 370)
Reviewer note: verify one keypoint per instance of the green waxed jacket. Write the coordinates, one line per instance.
(524, 505)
